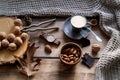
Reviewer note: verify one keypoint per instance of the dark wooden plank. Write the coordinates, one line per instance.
(53, 69)
(61, 36)
(50, 69)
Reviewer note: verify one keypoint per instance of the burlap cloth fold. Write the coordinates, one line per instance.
(108, 67)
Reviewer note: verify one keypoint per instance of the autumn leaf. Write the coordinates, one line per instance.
(29, 66)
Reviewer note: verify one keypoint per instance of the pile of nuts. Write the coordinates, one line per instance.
(70, 55)
(15, 39)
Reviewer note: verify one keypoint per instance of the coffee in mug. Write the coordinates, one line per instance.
(78, 21)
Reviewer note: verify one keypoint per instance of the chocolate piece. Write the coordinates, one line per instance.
(88, 60)
(85, 42)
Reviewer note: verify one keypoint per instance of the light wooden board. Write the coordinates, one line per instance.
(7, 26)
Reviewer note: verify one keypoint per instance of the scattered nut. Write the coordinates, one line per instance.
(12, 47)
(48, 48)
(4, 43)
(95, 48)
(24, 36)
(18, 22)
(93, 22)
(11, 37)
(2, 35)
(17, 30)
(18, 41)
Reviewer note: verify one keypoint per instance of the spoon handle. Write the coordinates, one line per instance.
(97, 37)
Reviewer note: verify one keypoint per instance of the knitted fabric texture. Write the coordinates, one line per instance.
(108, 67)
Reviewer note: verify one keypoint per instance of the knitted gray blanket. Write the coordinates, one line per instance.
(108, 67)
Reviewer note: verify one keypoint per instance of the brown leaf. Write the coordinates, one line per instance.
(29, 66)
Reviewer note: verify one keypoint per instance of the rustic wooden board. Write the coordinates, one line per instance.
(61, 36)
(53, 69)
(50, 69)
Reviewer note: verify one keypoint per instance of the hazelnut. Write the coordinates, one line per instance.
(11, 37)
(2, 35)
(18, 22)
(24, 36)
(17, 30)
(48, 48)
(4, 43)
(12, 47)
(95, 48)
(93, 22)
(18, 41)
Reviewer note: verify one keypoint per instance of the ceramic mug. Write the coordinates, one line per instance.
(78, 22)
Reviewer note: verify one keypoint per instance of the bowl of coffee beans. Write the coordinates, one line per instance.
(70, 53)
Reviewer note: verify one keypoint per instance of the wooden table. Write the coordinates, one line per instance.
(51, 68)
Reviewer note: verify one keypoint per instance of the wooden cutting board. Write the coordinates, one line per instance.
(6, 56)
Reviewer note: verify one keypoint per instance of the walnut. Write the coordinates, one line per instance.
(18, 41)
(4, 43)
(11, 37)
(17, 30)
(95, 48)
(18, 22)
(24, 36)
(12, 47)
(2, 35)
(48, 48)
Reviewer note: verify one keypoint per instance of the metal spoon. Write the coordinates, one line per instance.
(97, 37)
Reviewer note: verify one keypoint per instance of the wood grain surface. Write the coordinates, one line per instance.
(51, 68)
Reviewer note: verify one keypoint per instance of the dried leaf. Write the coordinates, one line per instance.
(29, 66)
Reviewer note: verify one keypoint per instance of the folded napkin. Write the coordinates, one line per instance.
(108, 67)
